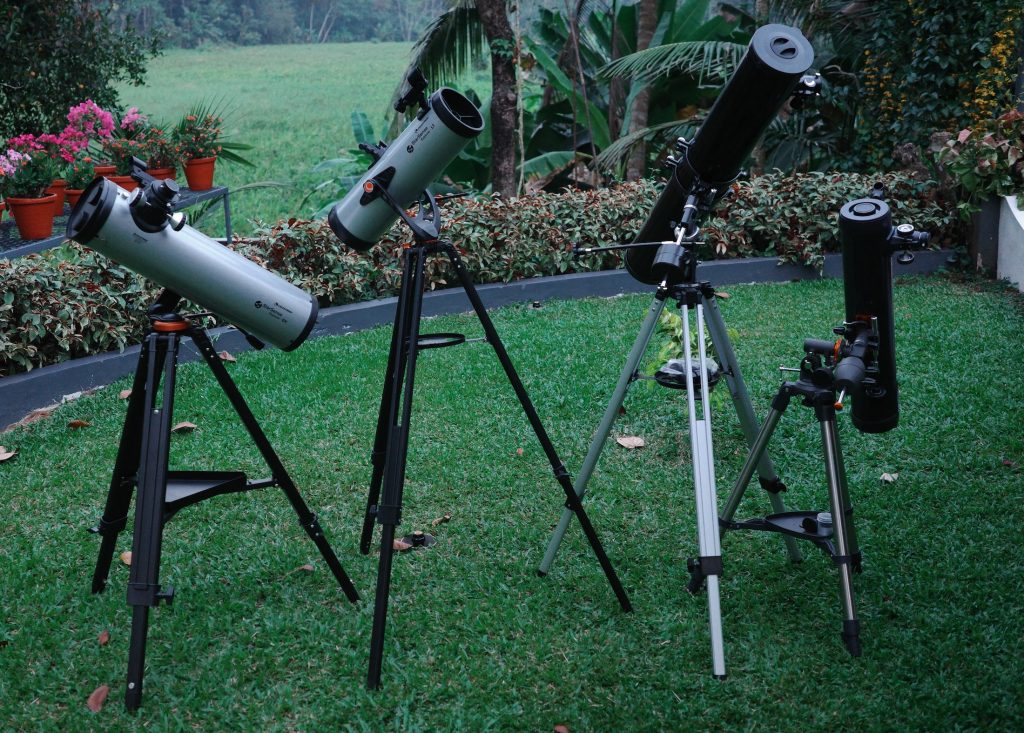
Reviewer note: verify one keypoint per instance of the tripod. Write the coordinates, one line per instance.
(390, 449)
(822, 375)
(142, 465)
(676, 265)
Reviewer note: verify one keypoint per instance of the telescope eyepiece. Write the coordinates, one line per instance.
(152, 205)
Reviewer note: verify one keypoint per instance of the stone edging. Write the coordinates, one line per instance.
(22, 393)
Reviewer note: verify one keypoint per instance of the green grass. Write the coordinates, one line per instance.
(292, 103)
(475, 640)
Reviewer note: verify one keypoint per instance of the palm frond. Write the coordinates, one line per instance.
(449, 46)
(616, 153)
(711, 61)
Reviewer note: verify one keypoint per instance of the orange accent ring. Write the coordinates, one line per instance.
(368, 187)
(171, 326)
(835, 349)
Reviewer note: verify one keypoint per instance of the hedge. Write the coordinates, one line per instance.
(71, 302)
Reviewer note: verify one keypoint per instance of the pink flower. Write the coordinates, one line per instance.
(89, 118)
(131, 118)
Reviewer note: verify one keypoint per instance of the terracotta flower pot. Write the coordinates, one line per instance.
(126, 182)
(199, 173)
(57, 188)
(72, 195)
(161, 173)
(105, 170)
(34, 217)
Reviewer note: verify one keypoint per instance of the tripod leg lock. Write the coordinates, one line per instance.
(772, 486)
(312, 527)
(388, 514)
(700, 568)
(113, 526)
(149, 594)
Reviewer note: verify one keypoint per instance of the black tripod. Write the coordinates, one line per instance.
(392, 437)
(827, 373)
(142, 465)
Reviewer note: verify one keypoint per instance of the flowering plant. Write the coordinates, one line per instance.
(988, 159)
(26, 174)
(80, 173)
(88, 121)
(199, 134)
(162, 150)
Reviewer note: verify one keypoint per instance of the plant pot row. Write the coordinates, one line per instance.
(34, 217)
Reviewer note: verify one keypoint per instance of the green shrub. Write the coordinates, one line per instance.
(71, 302)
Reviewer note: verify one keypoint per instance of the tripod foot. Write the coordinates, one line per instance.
(719, 676)
(541, 574)
(851, 637)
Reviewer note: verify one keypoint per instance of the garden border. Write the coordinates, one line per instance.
(22, 393)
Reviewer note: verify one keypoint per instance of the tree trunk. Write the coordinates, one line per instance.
(616, 87)
(494, 19)
(647, 22)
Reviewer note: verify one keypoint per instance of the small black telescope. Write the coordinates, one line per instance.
(776, 59)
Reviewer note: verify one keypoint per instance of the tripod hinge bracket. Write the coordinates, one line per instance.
(711, 565)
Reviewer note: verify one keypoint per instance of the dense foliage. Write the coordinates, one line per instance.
(933, 65)
(57, 53)
(73, 302)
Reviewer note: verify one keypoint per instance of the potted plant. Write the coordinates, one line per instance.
(79, 175)
(88, 125)
(987, 161)
(129, 140)
(24, 178)
(162, 153)
(200, 139)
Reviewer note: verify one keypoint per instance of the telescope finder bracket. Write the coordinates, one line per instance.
(417, 93)
(807, 90)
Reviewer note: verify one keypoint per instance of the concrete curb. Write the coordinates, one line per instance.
(22, 393)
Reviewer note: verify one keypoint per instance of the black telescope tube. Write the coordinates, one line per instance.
(865, 228)
(774, 62)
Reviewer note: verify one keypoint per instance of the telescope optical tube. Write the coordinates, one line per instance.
(117, 223)
(408, 165)
(865, 230)
(774, 62)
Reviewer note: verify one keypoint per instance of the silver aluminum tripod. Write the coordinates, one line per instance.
(679, 267)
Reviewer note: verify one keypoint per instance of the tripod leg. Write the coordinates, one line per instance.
(144, 577)
(380, 440)
(307, 519)
(840, 527)
(758, 448)
(709, 565)
(851, 534)
(389, 510)
(115, 513)
(601, 436)
(561, 474)
(745, 412)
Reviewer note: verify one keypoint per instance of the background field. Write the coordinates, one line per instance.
(292, 103)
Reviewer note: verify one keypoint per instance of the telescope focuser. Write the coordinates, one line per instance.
(848, 364)
(906, 237)
(152, 206)
(807, 89)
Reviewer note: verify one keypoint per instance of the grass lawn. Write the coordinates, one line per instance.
(476, 641)
(292, 103)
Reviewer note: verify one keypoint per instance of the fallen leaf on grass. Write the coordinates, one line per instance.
(103, 638)
(307, 568)
(1006, 461)
(126, 557)
(401, 546)
(888, 478)
(124, 394)
(441, 520)
(519, 451)
(722, 294)
(184, 427)
(561, 729)
(98, 697)
(6, 454)
(79, 424)
(631, 441)
(225, 356)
